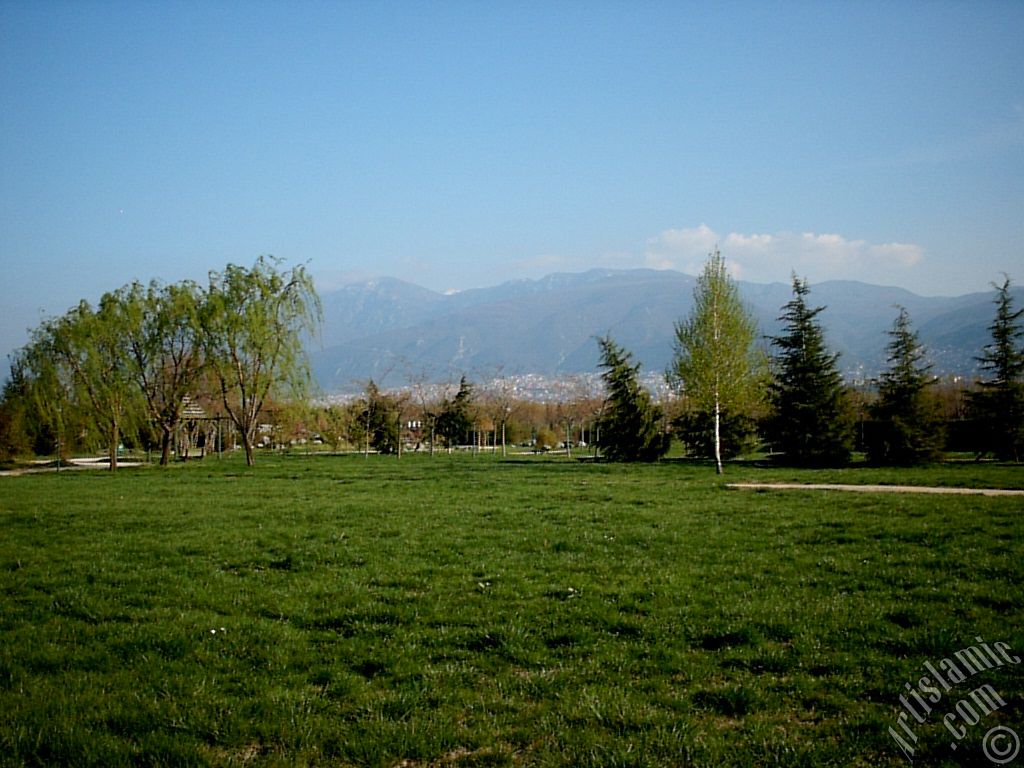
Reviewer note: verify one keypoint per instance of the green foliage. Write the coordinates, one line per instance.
(999, 406)
(696, 430)
(375, 421)
(717, 366)
(462, 611)
(909, 429)
(164, 344)
(455, 420)
(812, 422)
(546, 439)
(79, 362)
(630, 426)
(252, 324)
(124, 369)
(15, 415)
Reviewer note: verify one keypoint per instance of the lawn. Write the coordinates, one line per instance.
(470, 611)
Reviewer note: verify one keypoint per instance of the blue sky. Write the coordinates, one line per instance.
(462, 144)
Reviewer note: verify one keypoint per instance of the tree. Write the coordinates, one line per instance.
(82, 357)
(376, 422)
(999, 405)
(716, 364)
(252, 324)
(455, 421)
(15, 430)
(812, 422)
(907, 419)
(499, 402)
(163, 337)
(630, 425)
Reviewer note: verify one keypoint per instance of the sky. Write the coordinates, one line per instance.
(464, 144)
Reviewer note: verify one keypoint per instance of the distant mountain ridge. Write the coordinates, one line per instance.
(391, 330)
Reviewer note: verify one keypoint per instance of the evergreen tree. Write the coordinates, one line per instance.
(629, 427)
(716, 366)
(380, 417)
(999, 406)
(812, 422)
(455, 421)
(908, 424)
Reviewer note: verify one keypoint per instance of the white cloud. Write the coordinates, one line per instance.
(763, 257)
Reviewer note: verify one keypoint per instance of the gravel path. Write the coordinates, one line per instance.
(873, 488)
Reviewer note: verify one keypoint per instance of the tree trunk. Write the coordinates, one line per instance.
(250, 459)
(115, 439)
(165, 446)
(718, 437)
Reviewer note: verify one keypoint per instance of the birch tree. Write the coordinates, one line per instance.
(717, 367)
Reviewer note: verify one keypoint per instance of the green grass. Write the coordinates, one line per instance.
(470, 611)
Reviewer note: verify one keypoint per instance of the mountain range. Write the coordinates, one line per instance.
(394, 331)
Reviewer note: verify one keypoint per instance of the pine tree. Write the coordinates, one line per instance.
(999, 406)
(716, 365)
(908, 424)
(811, 423)
(455, 422)
(629, 427)
(376, 425)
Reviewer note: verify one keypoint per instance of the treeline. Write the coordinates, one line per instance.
(733, 392)
(138, 368)
(125, 371)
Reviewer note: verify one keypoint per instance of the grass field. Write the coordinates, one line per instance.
(470, 611)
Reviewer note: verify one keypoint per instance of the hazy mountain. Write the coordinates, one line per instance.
(392, 330)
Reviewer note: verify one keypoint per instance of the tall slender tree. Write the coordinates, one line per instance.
(630, 425)
(907, 421)
(717, 366)
(999, 405)
(811, 421)
(253, 321)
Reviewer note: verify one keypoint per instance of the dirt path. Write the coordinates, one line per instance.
(70, 464)
(873, 488)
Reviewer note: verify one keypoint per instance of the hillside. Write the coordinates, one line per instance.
(392, 330)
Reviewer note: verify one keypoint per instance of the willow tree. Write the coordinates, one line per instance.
(81, 359)
(717, 365)
(252, 323)
(163, 338)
